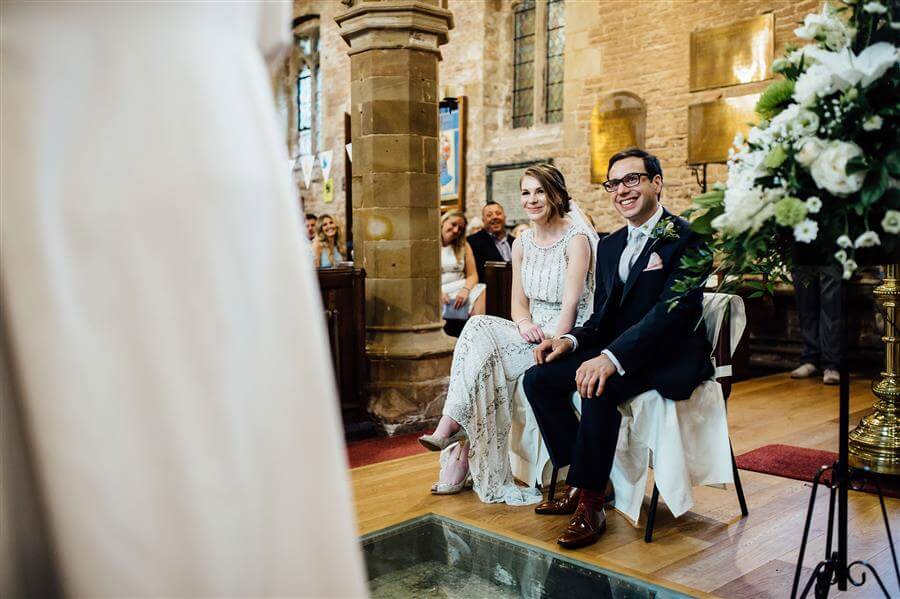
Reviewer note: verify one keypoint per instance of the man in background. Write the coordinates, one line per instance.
(311, 225)
(491, 243)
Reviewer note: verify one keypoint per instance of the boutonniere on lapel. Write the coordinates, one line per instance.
(665, 229)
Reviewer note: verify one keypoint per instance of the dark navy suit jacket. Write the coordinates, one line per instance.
(634, 322)
(484, 249)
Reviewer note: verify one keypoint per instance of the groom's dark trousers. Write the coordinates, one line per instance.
(658, 348)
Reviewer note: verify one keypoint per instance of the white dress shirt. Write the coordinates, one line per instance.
(637, 239)
(502, 246)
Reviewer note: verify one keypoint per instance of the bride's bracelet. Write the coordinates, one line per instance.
(520, 321)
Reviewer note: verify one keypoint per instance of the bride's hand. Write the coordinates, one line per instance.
(530, 332)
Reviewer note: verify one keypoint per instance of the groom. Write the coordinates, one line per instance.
(632, 343)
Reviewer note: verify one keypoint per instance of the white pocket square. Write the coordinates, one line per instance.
(655, 262)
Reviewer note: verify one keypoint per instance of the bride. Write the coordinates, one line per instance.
(552, 292)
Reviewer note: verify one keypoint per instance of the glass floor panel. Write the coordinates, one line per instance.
(433, 556)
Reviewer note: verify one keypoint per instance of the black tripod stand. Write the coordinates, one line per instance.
(834, 569)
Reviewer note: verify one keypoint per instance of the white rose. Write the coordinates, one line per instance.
(891, 222)
(844, 242)
(813, 205)
(840, 256)
(806, 231)
(876, 8)
(806, 123)
(815, 82)
(829, 170)
(873, 123)
(849, 267)
(809, 149)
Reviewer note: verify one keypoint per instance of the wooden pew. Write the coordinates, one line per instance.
(344, 302)
(498, 279)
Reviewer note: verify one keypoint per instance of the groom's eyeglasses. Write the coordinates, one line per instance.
(630, 180)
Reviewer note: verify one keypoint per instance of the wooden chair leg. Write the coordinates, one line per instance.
(651, 514)
(737, 483)
(552, 492)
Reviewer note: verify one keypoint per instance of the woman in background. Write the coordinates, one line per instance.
(328, 247)
(461, 293)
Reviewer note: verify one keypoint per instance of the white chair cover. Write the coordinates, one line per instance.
(686, 442)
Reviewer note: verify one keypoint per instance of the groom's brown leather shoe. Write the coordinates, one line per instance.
(561, 505)
(569, 501)
(584, 528)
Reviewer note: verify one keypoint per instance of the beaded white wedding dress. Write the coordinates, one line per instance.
(491, 355)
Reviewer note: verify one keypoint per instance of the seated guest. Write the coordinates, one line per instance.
(461, 294)
(492, 243)
(311, 220)
(633, 342)
(328, 248)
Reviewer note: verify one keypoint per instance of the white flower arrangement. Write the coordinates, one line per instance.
(827, 133)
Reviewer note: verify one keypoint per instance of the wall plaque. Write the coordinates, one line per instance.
(740, 52)
(713, 125)
(503, 187)
(617, 122)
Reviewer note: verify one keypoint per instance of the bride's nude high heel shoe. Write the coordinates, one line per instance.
(450, 488)
(432, 443)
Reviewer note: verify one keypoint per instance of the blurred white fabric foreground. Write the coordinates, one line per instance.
(160, 318)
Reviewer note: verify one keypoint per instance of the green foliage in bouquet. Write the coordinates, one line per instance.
(818, 175)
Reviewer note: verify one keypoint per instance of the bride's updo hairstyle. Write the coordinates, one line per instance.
(554, 185)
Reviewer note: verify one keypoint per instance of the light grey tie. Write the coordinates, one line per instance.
(630, 253)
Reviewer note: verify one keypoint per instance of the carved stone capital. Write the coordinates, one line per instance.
(387, 24)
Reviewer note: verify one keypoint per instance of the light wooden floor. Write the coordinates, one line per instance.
(709, 551)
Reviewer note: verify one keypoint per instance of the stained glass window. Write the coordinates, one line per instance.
(556, 48)
(523, 65)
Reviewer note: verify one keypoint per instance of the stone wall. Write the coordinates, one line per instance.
(637, 46)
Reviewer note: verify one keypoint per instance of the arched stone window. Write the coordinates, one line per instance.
(307, 86)
(539, 40)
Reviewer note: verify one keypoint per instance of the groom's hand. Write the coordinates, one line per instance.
(550, 349)
(591, 376)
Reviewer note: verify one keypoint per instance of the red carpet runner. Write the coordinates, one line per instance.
(381, 449)
(801, 463)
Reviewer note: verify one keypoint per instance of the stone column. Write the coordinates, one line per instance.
(394, 127)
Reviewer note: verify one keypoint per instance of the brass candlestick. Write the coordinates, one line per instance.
(875, 443)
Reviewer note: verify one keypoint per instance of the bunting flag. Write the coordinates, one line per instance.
(328, 191)
(306, 163)
(325, 163)
(349, 148)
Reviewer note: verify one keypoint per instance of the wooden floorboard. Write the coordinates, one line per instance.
(711, 550)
